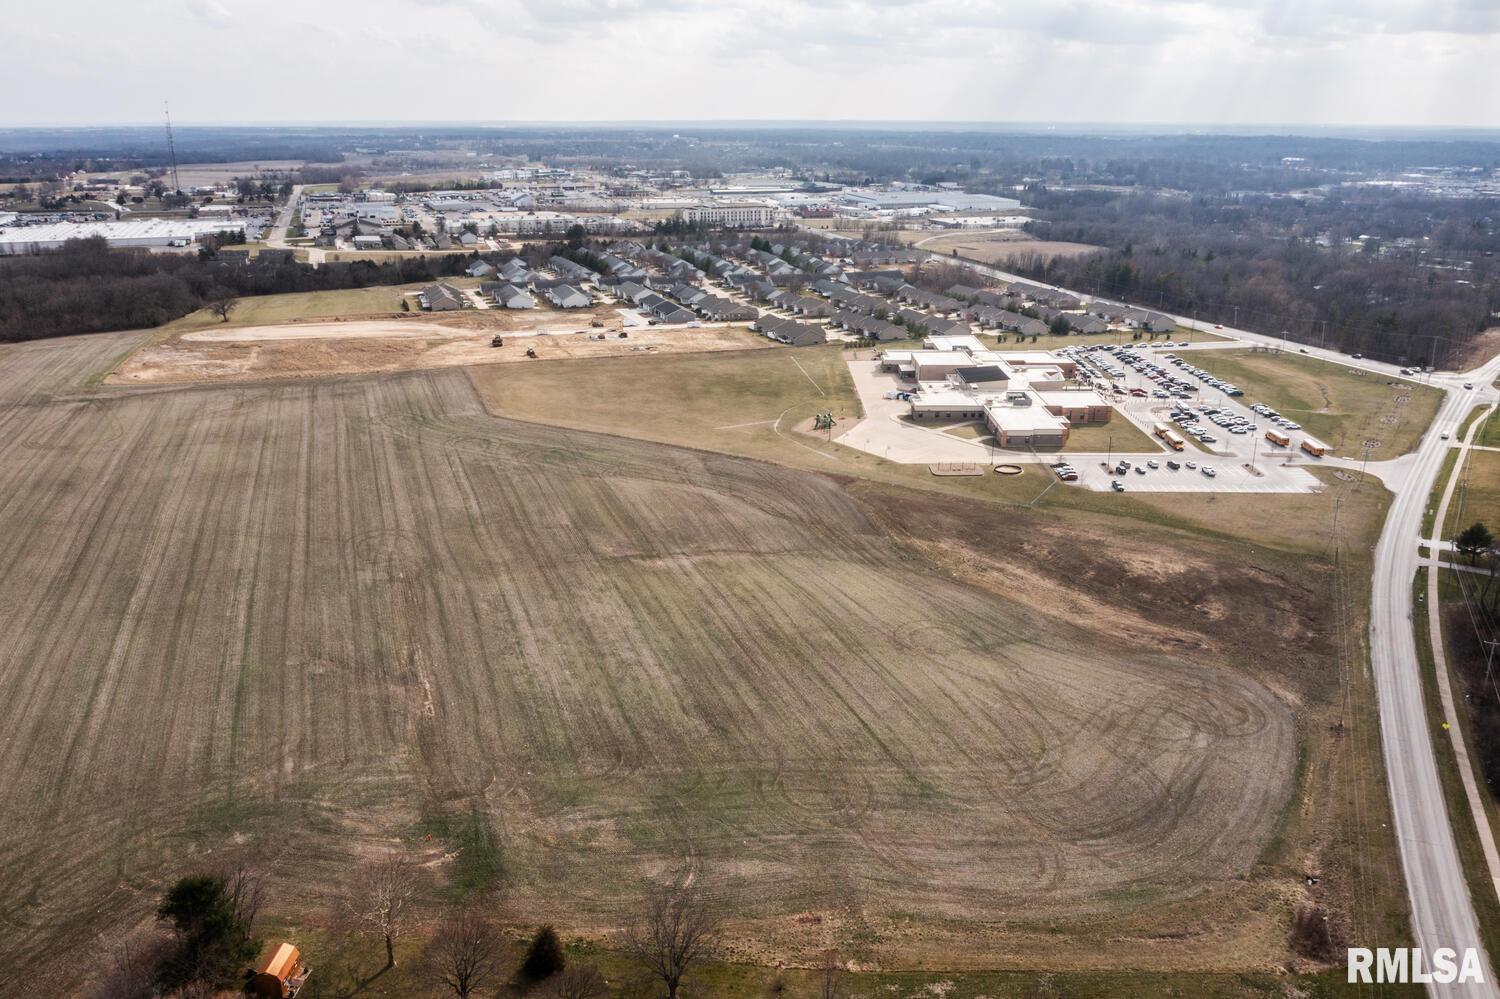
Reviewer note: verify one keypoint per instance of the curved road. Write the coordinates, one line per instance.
(1442, 912)
(1441, 908)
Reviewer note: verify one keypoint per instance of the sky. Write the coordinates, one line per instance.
(1231, 62)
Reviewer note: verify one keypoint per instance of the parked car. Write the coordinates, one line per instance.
(1174, 466)
(1117, 485)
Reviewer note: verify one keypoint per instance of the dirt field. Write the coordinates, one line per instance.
(304, 620)
(997, 248)
(405, 342)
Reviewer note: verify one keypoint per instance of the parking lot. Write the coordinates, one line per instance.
(1145, 388)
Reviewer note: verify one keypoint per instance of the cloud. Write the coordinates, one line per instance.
(210, 11)
(1364, 61)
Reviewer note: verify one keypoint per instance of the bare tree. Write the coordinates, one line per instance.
(222, 307)
(677, 932)
(133, 965)
(387, 890)
(246, 890)
(464, 953)
(577, 981)
(831, 976)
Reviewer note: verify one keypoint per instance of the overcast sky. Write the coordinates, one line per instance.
(1358, 62)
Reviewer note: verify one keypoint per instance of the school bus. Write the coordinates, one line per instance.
(1316, 450)
(1169, 437)
(1277, 437)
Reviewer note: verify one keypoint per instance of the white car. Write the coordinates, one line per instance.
(1208, 470)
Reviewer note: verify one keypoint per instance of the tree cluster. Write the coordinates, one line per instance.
(86, 287)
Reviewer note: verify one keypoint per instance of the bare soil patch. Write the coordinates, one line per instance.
(323, 347)
(1001, 248)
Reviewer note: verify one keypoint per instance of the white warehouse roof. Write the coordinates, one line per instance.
(134, 232)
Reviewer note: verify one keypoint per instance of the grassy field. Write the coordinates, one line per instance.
(1477, 494)
(266, 310)
(1460, 816)
(1489, 432)
(1429, 512)
(1342, 407)
(746, 403)
(1119, 435)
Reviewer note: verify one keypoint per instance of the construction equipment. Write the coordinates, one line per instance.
(530, 351)
(497, 341)
(597, 324)
(623, 334)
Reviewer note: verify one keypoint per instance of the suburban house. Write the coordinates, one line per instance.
(507, 296)
(442, 298)
(565, 296)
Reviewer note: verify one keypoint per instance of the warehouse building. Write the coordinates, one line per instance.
(132, 232)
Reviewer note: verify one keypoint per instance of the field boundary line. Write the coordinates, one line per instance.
(809, 377)
(752, 423)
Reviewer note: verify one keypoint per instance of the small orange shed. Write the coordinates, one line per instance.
(281, 975)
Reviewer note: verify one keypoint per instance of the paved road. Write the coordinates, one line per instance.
(1442, 910)
(277, 236)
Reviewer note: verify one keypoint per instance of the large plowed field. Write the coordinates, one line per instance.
(305, 619)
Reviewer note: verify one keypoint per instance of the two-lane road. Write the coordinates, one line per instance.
(1442, 911)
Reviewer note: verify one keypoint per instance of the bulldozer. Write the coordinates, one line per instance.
(497, 341)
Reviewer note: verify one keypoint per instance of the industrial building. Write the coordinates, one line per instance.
(131, 232)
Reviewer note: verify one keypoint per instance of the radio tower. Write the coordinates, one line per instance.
(172, 149)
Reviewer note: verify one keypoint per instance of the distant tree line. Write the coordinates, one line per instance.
(1282, 264)
(86, 287)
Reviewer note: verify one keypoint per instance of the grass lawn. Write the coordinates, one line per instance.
(1429, 513)
(1477, 495)
(730, 402)
(1049, 342)
(263, 310)
(1343, 407)
(1488, 433)
(352, 965)
(1119, 435)
(1460, 816)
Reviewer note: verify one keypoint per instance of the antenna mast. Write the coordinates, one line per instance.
(172, 149)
